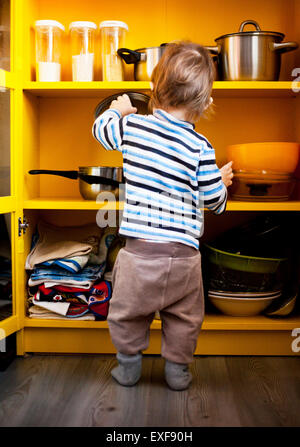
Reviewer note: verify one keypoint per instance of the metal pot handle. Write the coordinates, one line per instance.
(129, 56)
(68, 174)
(285, 46)
(212, 50)
(249, 22)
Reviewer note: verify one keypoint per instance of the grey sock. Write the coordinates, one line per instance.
(177, 375)
(128, 372)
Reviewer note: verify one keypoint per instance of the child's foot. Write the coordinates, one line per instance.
(128, 372)
(177, 375)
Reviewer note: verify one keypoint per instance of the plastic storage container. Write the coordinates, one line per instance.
(83, 50)
(48, 50)
(112, 38)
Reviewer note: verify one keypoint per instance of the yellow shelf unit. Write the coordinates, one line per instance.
(51, 124)
(69, 204)
(82, 89)
(7, 79)
(220, 88)
(77, 204)
(220, 335)
(211, 322)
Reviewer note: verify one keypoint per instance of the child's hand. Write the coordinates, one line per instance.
(123, 105)
(227, 174)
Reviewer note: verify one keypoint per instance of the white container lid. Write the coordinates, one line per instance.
(112, 23)
(49, 23)
(82, 24)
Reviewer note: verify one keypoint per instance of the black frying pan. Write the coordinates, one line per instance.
(137, 99)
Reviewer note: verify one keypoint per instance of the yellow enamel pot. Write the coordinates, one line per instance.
(277, 157)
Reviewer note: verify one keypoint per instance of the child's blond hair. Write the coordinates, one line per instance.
(183, 79)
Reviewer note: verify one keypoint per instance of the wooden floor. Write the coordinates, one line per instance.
(78, 391)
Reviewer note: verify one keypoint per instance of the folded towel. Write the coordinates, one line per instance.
(58, 308)
(84, 279)
(73, 265)
(37, 312)
(70, 310)
(83, 285)
(63, 242)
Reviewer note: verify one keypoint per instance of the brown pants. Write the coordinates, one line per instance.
(150, 276)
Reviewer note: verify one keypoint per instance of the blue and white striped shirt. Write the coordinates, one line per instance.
(170, 175)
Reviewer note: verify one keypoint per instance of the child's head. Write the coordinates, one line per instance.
(183, 79)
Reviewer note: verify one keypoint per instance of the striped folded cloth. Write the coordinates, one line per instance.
(73, 265)
(52, 276)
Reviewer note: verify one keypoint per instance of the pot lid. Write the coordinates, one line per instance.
(257, 32)
(138, 100)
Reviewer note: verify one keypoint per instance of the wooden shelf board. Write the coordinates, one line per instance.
(212, 322)
(65, 203)
(220, 88)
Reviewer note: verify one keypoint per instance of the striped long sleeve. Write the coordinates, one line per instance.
(170, 175)
(213, 192)
(108, 129)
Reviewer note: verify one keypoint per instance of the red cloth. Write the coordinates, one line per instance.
(70, 289)
(99, 303)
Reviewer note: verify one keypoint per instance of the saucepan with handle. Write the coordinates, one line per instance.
(144, 60)
(250, 55)
(92, 179)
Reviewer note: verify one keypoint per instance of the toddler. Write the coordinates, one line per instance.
(171, 173)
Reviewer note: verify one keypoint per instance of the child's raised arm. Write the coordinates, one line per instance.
(213, 191)
(108, 127)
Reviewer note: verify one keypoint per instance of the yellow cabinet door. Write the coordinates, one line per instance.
(10, 212)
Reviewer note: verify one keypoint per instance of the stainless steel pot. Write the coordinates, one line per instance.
(144, 60)
(92, 179)
(250, 55)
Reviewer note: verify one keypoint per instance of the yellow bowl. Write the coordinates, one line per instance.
(241, 307)
(281, 157)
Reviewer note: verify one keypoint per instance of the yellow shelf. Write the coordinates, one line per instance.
(7, 79)
(7, 204)
(256, 89)
(82, 89)
(289, 205)
(65, 203)
(220, 88)
(212, 322)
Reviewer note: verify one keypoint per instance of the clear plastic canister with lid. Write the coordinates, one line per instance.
(83, 50)
(112, 38)
(48, 39)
